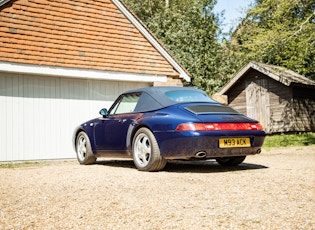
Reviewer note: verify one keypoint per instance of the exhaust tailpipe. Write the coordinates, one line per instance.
(201, 154)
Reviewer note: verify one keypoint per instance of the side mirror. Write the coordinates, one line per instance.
(104, 112)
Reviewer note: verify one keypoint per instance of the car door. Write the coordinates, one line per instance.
(111, 131)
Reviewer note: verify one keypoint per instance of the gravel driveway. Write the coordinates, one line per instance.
(274, 190)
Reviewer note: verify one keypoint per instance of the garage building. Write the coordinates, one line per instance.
(62, 61)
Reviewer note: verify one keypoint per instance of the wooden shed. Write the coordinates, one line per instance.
(282, 100)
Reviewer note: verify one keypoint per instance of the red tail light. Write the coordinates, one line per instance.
(218, 126)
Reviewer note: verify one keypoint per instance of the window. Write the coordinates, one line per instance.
(126, 104)
(188, 96)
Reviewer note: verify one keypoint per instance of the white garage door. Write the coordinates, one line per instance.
(38, 114)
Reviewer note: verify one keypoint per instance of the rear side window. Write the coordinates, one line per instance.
(126, 104)
(188, 96)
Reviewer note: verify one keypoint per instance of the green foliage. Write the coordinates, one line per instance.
(278, 32)
(286, 140)
(189, 30)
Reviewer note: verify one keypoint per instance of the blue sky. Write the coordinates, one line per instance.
(234, 9)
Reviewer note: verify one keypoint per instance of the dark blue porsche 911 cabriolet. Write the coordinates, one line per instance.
(156, 124)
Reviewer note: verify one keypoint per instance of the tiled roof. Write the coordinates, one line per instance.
(88, 34)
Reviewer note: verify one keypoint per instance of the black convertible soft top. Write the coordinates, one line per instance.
(154, 98)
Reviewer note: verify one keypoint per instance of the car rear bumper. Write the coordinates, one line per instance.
(188, 145)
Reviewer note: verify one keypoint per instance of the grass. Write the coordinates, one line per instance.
(11, 165)
(287, 140)
(27, 164)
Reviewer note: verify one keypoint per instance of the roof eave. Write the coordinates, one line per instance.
(56, 71)
(182, 73)
(303, 85)
(234, 79)
(247, 67)
(2, 2)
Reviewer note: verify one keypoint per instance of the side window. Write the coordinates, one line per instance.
(127, 104)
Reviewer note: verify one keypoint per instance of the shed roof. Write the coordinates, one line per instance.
(280, 74)
(86, 34)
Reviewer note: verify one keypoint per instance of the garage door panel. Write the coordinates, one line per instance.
(40, 113)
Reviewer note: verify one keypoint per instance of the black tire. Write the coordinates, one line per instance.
(83, 149)
(145, 151)
(230, 161)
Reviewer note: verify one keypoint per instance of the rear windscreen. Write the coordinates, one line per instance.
(188, 96)
(203, 109)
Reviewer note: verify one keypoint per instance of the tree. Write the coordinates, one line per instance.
(189, 30)
(278, 32)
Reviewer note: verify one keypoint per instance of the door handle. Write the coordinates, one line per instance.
(122, 120)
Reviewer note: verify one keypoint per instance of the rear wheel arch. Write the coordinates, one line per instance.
(135, 130)
(146, 152)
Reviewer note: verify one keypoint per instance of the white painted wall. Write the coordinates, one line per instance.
(38, 114)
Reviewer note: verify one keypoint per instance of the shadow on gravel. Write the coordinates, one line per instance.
(207, 167)
(187, 166)
(116, 163)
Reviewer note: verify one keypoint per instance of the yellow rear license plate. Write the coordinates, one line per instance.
(234, 142)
